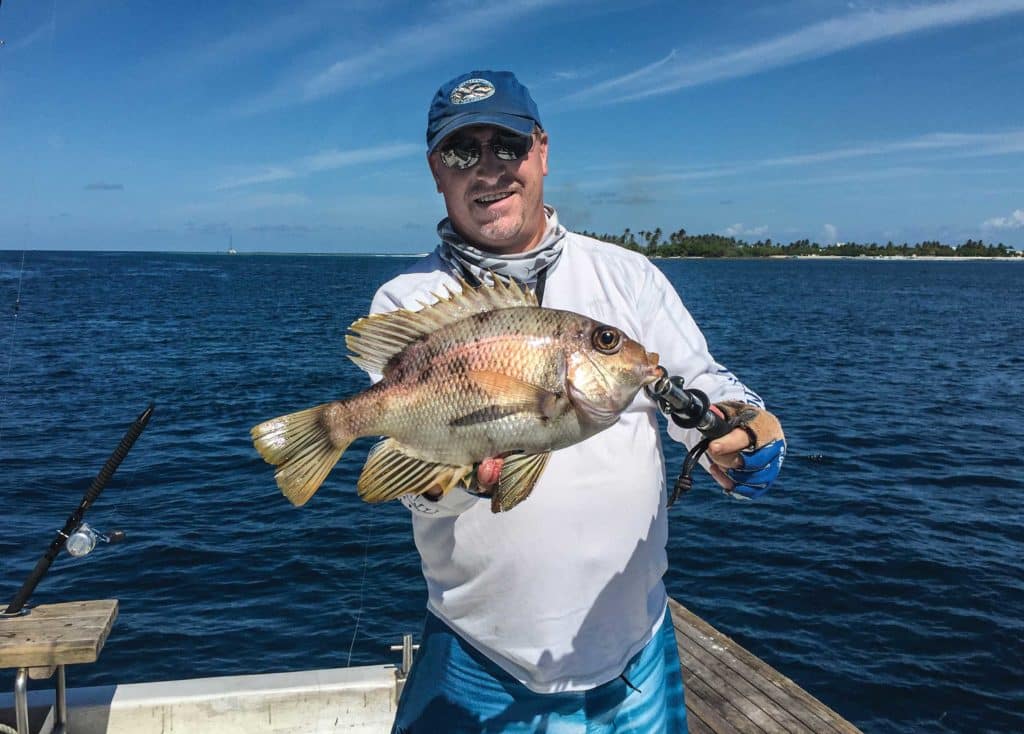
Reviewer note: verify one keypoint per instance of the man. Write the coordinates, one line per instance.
(553, 616)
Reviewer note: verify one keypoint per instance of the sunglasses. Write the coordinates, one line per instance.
(461, 153)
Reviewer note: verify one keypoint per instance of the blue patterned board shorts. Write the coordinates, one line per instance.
(453, 689)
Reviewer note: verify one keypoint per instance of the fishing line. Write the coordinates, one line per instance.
(362, 586)
(115, 511)
(10, 355)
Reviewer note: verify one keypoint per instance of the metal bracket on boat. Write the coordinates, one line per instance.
(402, 671)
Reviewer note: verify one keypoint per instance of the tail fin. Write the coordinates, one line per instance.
(303, 448)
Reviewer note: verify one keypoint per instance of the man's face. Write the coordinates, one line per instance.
(496, 205)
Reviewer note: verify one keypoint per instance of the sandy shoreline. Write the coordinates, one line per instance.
(943, 258)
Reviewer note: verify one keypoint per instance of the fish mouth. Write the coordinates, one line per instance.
(654, 371)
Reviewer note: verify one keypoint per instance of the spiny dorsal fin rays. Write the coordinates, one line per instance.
(390, 473)
(376, 339)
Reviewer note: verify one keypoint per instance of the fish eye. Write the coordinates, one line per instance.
(607, 339)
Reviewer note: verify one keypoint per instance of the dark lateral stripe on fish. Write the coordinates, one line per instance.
(483, 415)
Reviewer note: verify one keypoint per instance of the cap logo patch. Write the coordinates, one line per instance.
(471, 90)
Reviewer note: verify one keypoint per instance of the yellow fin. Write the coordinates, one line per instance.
(390, 473)
(377, 338)
(518, 476)
(303, 449)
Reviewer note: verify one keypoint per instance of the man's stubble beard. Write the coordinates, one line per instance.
(504, 229)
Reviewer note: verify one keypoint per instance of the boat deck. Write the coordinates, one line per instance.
(730, 690)
(727, 690)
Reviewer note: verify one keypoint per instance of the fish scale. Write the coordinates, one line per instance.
(420, 414)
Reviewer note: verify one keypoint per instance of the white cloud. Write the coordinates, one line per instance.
(331, 159)
(281, 31)
(408, 48)
(853, 177)
(672, 73)
(243, 202)
(326, 160)
(1014, 221)
(269, 201)
(411, 47)
(972, 144)
(1007, 142)
(831, 234)
(739, 230)
(44, 31)
(266, 175)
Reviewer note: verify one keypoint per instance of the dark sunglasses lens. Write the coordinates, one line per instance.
(511, 147)
(460, 154)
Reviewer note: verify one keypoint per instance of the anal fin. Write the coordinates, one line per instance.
(390, 473)
(519, 474)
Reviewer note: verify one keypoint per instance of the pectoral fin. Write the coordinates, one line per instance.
(514, 394)
(518, 476)
(390, 473)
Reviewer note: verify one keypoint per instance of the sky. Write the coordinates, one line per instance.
(299, 126)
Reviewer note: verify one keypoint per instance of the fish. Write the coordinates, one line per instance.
(480, 373)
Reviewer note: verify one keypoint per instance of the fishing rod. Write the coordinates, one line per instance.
(81, 536)
(688, 408)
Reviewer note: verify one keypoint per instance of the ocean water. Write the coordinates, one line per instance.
(883, 573)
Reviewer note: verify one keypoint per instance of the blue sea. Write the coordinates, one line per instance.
(883, 573)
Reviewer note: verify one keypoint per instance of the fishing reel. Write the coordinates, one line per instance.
(83, 540)
(688, 408)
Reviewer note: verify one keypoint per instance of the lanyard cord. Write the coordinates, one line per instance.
(542, 279)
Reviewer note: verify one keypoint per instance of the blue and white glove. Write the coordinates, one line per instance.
(762, 460)
(760, 469)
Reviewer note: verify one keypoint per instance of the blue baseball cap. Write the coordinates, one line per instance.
(481, 98)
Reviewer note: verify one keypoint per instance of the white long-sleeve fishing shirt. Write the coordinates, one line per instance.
(565, 588)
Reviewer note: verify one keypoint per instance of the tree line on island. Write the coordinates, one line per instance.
(680, 244)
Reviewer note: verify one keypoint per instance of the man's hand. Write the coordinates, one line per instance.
(724, 453)
(747, 460)
(487, 473)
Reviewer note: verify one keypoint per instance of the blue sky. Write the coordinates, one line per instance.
(299, 126)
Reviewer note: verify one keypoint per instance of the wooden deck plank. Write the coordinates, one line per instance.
(704, 711)
(748, 682)
(725, 678)
(746, 697)
(728, 666)
(723, 708)
(738, 661)
(57, 634)
(695, 725)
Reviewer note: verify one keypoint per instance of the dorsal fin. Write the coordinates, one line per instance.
(376, 339)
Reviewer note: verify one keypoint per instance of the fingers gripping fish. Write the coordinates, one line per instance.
(481, 373)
